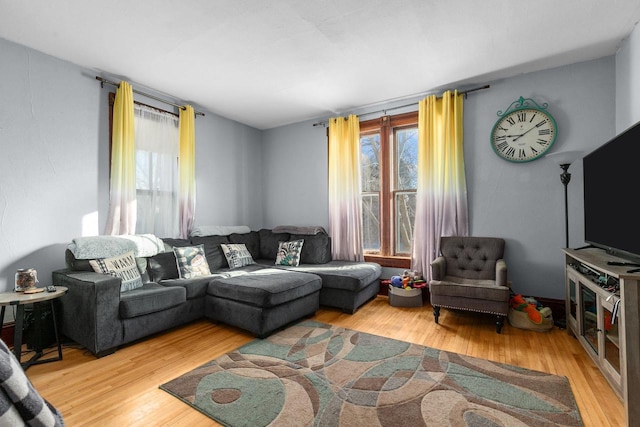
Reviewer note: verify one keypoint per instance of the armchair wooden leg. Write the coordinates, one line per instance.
(436, 313)
(499, 323)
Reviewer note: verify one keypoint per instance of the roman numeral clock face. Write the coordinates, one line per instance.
(523, 135)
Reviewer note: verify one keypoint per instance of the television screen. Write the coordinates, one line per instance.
(611, 187)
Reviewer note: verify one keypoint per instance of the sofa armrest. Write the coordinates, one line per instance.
(90, 309)
(501, 273)
(438, 268)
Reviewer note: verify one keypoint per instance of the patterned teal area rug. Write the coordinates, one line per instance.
(321, 375)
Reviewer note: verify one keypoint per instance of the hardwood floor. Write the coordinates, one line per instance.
(122, 389)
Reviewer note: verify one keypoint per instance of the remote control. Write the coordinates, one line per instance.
(632, 264)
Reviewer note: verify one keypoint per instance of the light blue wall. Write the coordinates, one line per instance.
(521, 202)
(294, 176)
(54, 171)
(628, 82)
(524, 203)
(49, 134)
(228, 173)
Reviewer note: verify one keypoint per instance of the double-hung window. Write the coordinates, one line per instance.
(157, 145)
(389, 172)
(157, 150)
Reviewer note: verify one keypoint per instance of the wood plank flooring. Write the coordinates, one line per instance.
(122, 389)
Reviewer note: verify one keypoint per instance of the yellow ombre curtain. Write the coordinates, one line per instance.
(441, 199)
(345, 211)
(187, 170)
(122, 189)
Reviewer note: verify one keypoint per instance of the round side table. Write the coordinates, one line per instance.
(20, 299)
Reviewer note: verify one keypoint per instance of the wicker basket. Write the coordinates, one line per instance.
(520, 319)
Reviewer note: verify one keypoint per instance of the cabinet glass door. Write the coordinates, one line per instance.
(572, 297)
(611, 342)
(589, 317)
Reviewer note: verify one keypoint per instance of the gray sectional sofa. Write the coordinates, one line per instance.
(260, 298)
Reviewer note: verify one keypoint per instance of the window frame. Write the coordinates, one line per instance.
(386, 127)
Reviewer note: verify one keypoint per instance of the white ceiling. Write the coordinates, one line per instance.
(270, 63)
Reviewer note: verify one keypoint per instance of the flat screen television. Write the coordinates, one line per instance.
(611, 188)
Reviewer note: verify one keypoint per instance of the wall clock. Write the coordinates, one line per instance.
(524, 132)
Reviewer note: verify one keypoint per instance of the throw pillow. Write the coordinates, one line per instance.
(191, 261)
(163, 266)
(122, 266)
(289, 252)
(237, 255)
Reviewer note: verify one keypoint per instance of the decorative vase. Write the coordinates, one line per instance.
(26, 278)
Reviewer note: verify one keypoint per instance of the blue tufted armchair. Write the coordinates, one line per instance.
(471, 274)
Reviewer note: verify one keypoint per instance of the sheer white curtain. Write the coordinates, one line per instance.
(157, 147)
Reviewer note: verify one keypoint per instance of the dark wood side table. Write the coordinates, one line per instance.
(20, 299)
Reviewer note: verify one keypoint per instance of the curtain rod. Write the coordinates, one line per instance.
(407, 105)
(103, 81)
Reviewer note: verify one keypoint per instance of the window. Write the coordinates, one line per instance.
(157, 150)
(389, 172)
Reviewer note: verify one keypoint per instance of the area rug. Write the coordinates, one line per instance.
(314, 374)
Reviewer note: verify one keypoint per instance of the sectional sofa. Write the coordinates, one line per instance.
(259, 297)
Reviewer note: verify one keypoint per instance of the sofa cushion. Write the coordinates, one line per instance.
(316, 249)
(481, 289)
(212, 250)
(237, 255)
(269, 243)
(191, 262)
(150, 298)
(265, 287)
(289, 252)
(195, 288)
(251, 241)
(123, 266)
(170, 243)
(346, 275)
(163, 266)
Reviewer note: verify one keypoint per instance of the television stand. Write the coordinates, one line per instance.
(602, 304)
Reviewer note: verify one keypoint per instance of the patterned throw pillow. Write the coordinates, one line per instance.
(289, 252)
(122, 266)
(237, 255)
(191, 261)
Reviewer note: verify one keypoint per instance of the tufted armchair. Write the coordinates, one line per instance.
(470, 274)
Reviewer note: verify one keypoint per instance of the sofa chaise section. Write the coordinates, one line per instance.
(263, 300)
(346, 285)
